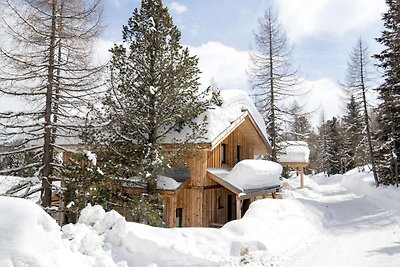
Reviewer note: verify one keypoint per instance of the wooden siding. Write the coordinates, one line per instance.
(204, 202)
(246, 137)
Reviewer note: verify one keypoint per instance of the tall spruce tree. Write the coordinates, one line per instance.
(388, 135)
(154, 93)
(334, 157)
(354, 145)
(322, 146)
(47, 64)
(358, 82)
(271, 75)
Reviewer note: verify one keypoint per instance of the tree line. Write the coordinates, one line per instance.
(343, 143)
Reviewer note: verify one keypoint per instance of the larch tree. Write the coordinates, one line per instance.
(154, 95)
(388, 134)
(299, 127)
(271, 75)
(47, 65)
(358, 83)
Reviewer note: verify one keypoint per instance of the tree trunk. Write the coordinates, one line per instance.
(271, 74)
(47, 146)
(366, 120)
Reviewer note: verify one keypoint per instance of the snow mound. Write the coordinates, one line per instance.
(294, 152)
(255, 174)
(30, 237)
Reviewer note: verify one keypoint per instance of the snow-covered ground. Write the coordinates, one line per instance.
(337, 221)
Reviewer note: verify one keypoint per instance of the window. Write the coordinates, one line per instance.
(237, 153)
(220, 202)
(223, 154)
(179, 212)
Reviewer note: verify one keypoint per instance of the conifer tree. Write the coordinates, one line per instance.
(46, 66)
(154, 94)
(354, 145)
(358, 82)
(388, 135)
(333, 147)
(321, 145)
(272, 76)
(299, 125)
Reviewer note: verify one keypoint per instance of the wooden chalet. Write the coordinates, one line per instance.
(196, 193)
(201, 197)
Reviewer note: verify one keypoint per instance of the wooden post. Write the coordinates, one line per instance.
(238, 208)
(301, 177)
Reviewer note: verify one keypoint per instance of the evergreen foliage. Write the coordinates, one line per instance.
(354, 142)
(322, 147)
(388, 135)
(333, 147)
(154, 93)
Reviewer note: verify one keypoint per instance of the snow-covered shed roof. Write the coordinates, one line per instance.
(249, 176)
(171, 180)
(294, 152)
(235, 107)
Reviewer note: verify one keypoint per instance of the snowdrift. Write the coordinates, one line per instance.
(30, 237)
(271, 232)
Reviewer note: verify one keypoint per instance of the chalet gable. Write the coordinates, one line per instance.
(237, 110)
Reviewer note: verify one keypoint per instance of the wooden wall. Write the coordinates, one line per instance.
(204, 202)
(236, 138)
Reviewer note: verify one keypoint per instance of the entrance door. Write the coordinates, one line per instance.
(179, 213)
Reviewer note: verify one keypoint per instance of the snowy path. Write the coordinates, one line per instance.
(356, 231)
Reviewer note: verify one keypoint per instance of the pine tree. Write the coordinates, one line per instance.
(46, 63)
(154, 93)
(321, 146)
(388, 135)
(354, 145)
(334, 158)
(272, 76)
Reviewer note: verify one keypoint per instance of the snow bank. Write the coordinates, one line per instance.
(254, 174)
(272, 232)
(140, 245)
(294, 151)
(30, 237)
(235, 103)
(363, 183)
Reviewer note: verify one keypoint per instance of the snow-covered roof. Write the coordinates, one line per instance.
(250, 175)
(294, 152)
(163, 183)
(236, 104)
(170, 180)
